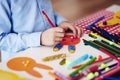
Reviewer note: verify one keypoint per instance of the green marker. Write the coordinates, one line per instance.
(109, 46)
(97, 46)
(104, 47)
(82, 67)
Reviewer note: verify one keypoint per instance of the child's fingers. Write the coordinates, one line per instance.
(58, 29)
(79, 32)
(58, 39)
(58, 34)
(73, 29)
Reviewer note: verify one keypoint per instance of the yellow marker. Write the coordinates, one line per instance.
(110, 42)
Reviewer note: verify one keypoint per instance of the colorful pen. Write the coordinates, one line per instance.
(79, 60)
(100, 48)
(109, 73)
(105, 60)
(107, 46)
(104, 39)
(48, 19)
(111, 78)
(82, 67)
(93, 24)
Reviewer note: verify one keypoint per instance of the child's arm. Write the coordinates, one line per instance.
(10, 41)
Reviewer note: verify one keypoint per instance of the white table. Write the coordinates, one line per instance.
(38, 53)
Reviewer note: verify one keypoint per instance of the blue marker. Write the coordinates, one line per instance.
(79, 60)
(93, 24)
(104, 33)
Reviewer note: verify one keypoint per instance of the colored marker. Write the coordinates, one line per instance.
(110, 44)
(111, 78)
(92, 24)
(54, 76)
(103, 33)
(82, 67)
(109, 54)
(105, 60)
(109, 73)
(104, 39)
(107, 46)
(79, 60)
(100, 48)
(110, 66)
(60, 75)
(48, 19)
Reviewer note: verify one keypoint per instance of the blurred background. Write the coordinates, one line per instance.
(76, 9)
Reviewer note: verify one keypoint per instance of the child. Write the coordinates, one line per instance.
(22, 25)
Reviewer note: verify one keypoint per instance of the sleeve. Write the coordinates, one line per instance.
(59, 18)
(10, 41)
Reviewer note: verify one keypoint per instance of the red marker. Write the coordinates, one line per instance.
(47, 18)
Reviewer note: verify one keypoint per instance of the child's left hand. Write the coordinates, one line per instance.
(76, 31)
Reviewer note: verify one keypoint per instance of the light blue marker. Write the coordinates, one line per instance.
(79, 60)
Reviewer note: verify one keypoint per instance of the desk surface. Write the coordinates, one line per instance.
(38, 53)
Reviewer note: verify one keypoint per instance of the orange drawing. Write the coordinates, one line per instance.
(26, 64)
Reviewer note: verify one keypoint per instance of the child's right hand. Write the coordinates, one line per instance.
(52, 36)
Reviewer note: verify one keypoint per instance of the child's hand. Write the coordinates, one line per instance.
(76, 31)
(52, 36)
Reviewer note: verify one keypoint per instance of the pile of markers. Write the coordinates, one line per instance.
(97, 71)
